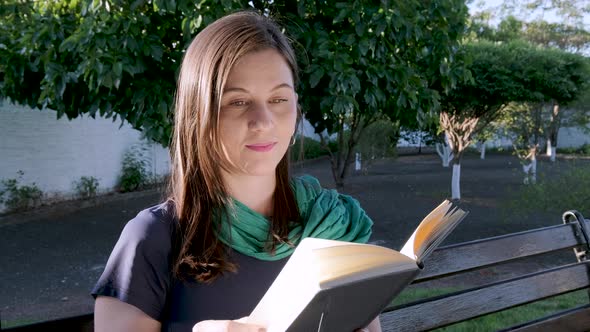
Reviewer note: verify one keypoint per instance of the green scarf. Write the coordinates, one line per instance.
(325, 213)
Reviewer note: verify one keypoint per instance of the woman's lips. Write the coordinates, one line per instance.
(263, 147)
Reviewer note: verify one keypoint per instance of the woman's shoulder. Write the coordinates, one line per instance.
(153, 224)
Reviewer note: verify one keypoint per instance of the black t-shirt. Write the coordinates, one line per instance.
(138, 272)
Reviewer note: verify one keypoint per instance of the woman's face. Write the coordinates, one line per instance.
(258, 112)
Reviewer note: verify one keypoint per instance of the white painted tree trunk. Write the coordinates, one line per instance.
(482, 151)
(548, 151)
(357, 162)
(445, 152)
(553, 152)
(455, 182)
(534, 170)
(530, 171)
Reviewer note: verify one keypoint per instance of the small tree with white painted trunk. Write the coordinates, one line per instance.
(523, 123)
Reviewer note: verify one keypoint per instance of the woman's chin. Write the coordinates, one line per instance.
(262, 169)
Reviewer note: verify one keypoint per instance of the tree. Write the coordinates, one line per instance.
(568, 34)
(504, 73)
(523, 123)
(119, 59)
(115, 58)
(373, 58)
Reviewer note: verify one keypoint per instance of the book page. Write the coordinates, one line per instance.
(433, 229)
(349, 263)
(317, 268)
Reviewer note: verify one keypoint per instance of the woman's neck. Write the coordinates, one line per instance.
(256, 192)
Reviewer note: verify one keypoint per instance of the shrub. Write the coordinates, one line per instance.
(378, 141)
(569, 189)
(86, 187)
(311, 149)
(583, 150)
(17, 197)
(134, 171)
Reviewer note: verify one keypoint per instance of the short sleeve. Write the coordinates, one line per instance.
(138, 270)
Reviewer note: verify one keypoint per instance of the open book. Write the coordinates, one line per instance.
(339, 286)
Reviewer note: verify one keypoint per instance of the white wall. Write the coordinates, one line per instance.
(572, 138)
(55, 153)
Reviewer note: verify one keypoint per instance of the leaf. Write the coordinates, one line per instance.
(341, 15)
(118, 69)
(136, 4)
(355, 84)
(227, 4)
(156, 52)
(315, 77)
(107, 80)
(359, 29)
(364, 46)
(197, 22)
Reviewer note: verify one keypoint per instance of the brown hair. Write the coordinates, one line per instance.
(196, 188)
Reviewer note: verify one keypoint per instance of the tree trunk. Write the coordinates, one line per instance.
(445, 153)
(357, 162)
(554, 130)
(548, 151)
(533, 174)
(530, 169)
(456, 181)
(482, 150)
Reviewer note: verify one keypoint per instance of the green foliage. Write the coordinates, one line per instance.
(567, 190)
(523, 124)
(17, 197)
(583, 150)
(119, 59)
(115, 58)
(311, 149)
(373, 58)
(517, 71)
(135, 169)
(86, 187)
(378, 141)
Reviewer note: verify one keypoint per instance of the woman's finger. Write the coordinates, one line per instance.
(226, 326)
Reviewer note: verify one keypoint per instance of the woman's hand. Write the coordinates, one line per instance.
(374, 326)
(239, 325)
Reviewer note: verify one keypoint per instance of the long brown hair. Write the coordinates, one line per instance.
(196, 188)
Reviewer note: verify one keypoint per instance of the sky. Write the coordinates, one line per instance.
(495, 5)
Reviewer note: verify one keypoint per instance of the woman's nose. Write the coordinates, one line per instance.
(260, 117)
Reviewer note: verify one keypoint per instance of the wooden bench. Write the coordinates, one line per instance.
(528, 286)
(460, 259)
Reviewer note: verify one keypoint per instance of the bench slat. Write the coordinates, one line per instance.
(463, 305)
(572, 320)
(480, 253)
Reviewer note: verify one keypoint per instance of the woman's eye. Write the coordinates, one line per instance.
(238, 103)
(278, 100)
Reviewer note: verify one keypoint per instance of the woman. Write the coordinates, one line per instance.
(233, 217)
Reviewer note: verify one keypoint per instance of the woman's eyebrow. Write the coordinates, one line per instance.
(238, 89)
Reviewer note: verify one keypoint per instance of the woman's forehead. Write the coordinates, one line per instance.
(267, 68)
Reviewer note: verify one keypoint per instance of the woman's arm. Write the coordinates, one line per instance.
(113, 315)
